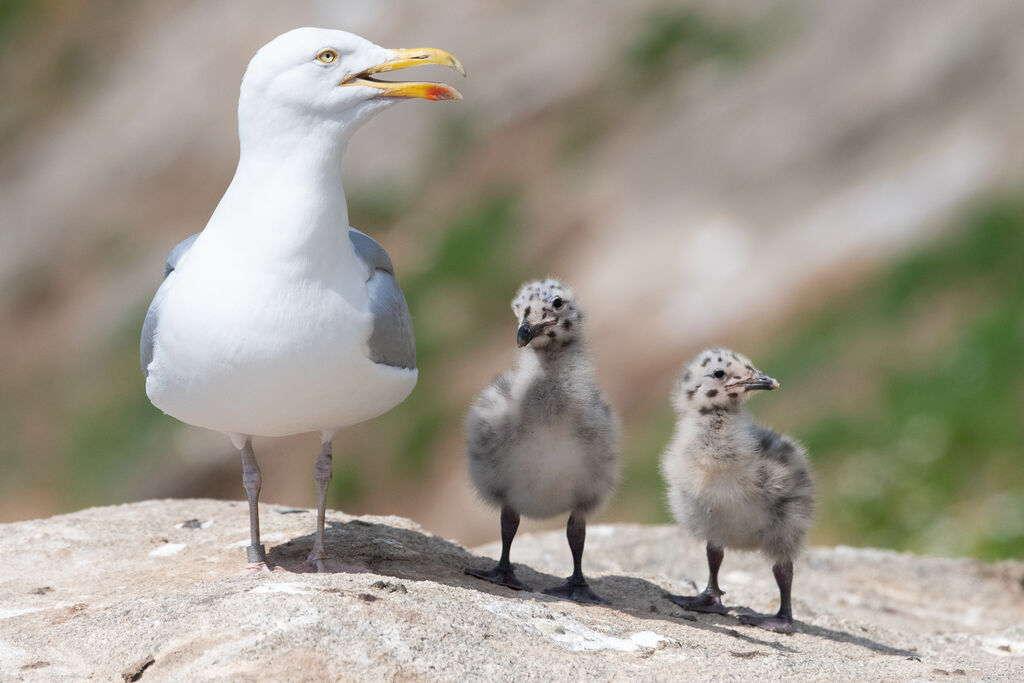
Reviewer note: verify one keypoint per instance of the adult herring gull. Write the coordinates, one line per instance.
(278, 318)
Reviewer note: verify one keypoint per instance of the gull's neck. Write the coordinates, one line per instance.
(285, 207)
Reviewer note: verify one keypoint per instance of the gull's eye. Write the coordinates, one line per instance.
(557, 302)
(719, 374)
(327, 56)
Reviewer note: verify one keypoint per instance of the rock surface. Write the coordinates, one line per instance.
(150, 591)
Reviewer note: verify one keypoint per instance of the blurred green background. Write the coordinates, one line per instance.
(832, 189)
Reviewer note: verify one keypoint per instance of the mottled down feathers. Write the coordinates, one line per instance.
(732, 482)
(541, 438)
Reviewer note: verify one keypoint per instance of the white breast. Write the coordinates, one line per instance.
(545, 471)
(716, 500)
(252, 352)
(734, 517)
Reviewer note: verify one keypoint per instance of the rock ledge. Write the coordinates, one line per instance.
(148, 591)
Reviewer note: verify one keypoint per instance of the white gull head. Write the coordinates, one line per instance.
(313, 79)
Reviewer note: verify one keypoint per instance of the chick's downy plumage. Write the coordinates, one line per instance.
(732, 482)
(541, 439)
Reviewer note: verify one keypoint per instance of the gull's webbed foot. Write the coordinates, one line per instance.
(709, 603)
(577, 591)
(257, 556)
(776, 623)
(503, 576)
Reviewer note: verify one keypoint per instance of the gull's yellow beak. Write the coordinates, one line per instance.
(406, 58)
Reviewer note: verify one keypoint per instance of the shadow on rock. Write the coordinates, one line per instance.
(801, 628)
(417, 556)
(843, 637)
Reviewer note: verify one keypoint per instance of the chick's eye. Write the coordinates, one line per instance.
(719, 374)
(327, 56)
(557, 302)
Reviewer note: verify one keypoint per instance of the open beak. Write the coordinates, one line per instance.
(406, 58)
(761, 383)
(527, 332)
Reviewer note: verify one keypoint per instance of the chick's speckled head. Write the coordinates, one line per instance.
(548, 314)
(718, 379)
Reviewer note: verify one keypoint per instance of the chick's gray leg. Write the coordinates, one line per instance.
(782, 622)
(575, 587)
(252, 481)
(710, 600)
(503, 574)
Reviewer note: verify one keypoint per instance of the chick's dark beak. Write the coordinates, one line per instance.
(527, 332)
(525, 335)
(761, 383)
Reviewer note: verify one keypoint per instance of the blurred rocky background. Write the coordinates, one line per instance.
(834, 189)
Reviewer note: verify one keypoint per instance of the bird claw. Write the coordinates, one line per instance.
(702, 602)
(500, 576)
(773, 623)
(577, 592)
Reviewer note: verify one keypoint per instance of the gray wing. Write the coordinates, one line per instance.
(179, 250)
(392, 341)
(153, 314)
(784, 479)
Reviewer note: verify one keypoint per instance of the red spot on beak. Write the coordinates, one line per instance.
(441, 92)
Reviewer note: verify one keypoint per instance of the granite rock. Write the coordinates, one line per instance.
(151, 591)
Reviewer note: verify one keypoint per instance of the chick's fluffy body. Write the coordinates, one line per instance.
(733, 482)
